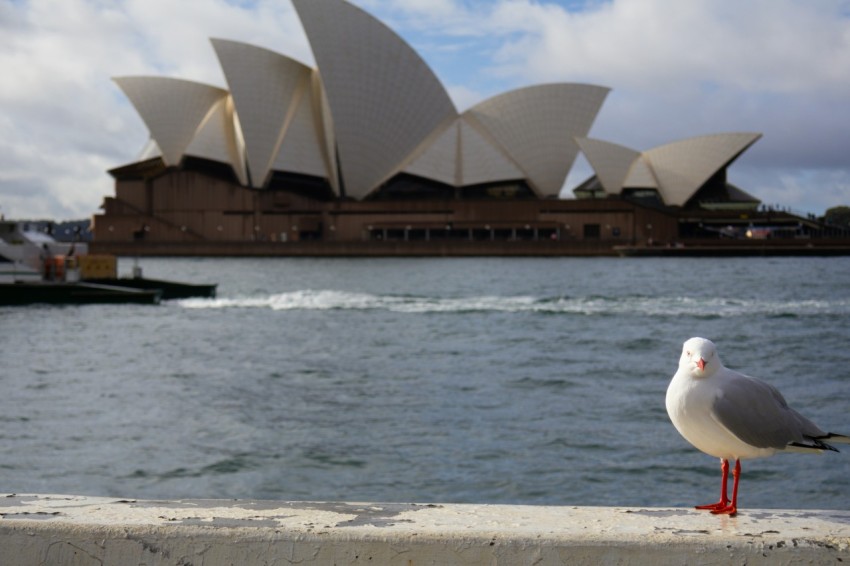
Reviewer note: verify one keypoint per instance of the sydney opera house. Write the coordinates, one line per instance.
(367, 154)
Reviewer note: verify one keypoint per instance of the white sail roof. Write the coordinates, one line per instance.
(676, 169)
(483, 160)
(683, 166)
(172, 109)
(441, 159)
(273, 95)
(216, 139)
(611, 162)
(383, 97)
(537, 127)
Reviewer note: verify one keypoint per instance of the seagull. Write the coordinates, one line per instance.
(733, 416)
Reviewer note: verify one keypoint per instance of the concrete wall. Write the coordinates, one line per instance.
(75, 530)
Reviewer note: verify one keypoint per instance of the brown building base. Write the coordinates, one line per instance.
(356, 249)
(186, 212)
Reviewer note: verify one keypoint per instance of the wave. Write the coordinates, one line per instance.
(589, 305)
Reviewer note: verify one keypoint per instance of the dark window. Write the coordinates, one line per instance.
(592, 231)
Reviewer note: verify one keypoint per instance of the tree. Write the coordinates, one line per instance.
(838, 216)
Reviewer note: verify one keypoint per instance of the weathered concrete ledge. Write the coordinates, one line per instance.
(76, 530)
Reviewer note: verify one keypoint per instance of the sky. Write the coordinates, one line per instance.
(676, 69)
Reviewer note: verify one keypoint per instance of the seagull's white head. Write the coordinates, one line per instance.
(699, 358)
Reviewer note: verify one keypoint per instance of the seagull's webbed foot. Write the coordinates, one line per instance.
(730, 510)
(715, 507)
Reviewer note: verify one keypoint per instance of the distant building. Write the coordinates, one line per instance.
(61, 231)
(368, 150)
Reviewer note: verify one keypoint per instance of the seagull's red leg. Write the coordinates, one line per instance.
(724, 478)
(731, 509)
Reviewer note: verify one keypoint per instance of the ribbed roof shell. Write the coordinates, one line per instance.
(172, 109)
(537, 127)
(640, 175)
(461, 155)
(307, 147)
(527, 133)
(482, 160)
(218, 140)
(677, 169)
(274, 100)
(441, 158)
(383, 97)
(683, 166)
(611, 162)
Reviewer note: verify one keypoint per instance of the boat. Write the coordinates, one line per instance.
(169, 289)
(35, 268)
(63, 293)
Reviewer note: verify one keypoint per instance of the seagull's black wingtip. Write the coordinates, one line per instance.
(816, 444)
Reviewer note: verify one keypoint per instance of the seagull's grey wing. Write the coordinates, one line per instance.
(756, 413)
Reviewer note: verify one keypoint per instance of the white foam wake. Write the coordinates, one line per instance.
(589, 305)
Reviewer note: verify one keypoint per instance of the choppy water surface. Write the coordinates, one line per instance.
(535, 381)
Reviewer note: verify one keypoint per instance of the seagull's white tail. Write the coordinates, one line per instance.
(832, 437)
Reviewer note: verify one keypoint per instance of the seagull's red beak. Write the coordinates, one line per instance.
(701, 364)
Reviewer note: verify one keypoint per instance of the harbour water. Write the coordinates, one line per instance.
(537, 381)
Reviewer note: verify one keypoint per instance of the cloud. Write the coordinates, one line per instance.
(63, 123)
(755, 45)
(677, 70)
(800, 190)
